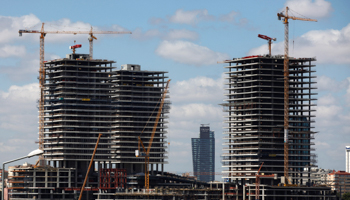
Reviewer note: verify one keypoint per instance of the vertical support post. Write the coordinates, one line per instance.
(286, 97)
(146, 172)
(2, 181)
(91, 161)
(42, 99)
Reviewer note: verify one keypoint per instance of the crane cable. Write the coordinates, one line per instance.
(150, 117)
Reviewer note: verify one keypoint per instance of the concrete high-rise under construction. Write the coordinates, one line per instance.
(85, 97)
(255, 108)
(136, 98)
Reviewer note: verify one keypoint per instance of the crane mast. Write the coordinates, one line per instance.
(147, 151)
(269, 41)
(286, 86)
(41, 100)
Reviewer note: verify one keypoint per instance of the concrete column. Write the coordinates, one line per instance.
(58, 178)
(248, 193)
(34, 177)
(76, 174)
(263, 193)
(46, 174)
(223, 191)
(69, 178)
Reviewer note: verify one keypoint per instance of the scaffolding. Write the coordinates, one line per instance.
(112, 179)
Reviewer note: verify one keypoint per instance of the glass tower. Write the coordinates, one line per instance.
(203, 154)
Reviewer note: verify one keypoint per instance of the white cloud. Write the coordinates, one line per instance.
(190, 17)
(329, 46)
(326, 100)
(230, 17)
(194, 110)
(140, 35)
(19, 119)
(12, 51)
(25, 69)
(11, 25)
(310, 8)
(198, 89)
(325, 83)
(172, 34)
(19, 98)
(189, 53)
(156, 20)
(181, 34)
(347, 95)
(327, 112)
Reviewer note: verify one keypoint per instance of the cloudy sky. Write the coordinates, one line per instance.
(186, 39)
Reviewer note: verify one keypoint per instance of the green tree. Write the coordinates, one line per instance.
(346, 196)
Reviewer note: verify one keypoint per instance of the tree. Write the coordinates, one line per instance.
(346, 196)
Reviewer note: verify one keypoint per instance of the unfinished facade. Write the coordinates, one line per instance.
(30, 182)
(77, 108)
(255, 106)
(85, 97)
(268, 192)
(136, 98)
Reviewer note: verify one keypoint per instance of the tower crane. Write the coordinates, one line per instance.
(145, 152)
(43, 33)
(269, 41)
(286, 17)
(257, 181)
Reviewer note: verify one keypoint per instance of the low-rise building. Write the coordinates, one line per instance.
(339, 181)
(316, 176)
(43, 182)
(5, 176)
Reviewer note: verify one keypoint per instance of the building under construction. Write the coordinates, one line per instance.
(31, 182)
(77, 108)
(255, 118)
(136, 96)
(85, 97)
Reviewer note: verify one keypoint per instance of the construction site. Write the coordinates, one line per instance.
(103, 131)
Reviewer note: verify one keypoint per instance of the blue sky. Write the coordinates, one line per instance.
(187, 39)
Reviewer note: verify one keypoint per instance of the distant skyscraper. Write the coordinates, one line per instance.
(203, 154)
(347, 159)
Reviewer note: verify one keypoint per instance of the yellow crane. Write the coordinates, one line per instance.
(145, 152)
(286, 84)
(43, 33)
(91, 162)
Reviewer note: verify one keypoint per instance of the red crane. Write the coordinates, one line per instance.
(268, 39)
(257, 181)
(74, 47)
